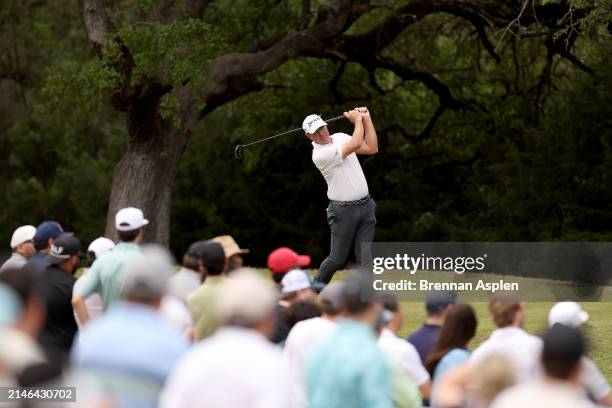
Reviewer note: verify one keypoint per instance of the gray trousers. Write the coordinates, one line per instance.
(350, 226)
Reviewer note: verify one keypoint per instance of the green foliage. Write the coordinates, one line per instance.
(526, 159)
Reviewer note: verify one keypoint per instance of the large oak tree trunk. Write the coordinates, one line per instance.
(144, 176)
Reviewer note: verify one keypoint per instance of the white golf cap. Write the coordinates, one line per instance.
(22, 234)
(245, 298)
(130, 219)
(567, 313)
(100, 246)
(312, 123)
(294, 280)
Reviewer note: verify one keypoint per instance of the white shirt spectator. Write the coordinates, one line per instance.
(302, 338)
(521, 348)
(592, 380)
(93, 303)
(344, 177)
(543, 394)
(234, 368)
(183, 283)
(403, 353)
(175, 312)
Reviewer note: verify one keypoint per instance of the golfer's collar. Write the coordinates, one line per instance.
(319, 146)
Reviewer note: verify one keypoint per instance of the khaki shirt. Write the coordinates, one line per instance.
(202, 307)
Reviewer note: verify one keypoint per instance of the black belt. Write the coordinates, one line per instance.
(361, 201)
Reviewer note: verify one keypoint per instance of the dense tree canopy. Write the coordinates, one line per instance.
(494, 117)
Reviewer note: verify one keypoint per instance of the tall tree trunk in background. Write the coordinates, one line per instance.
(144, 176)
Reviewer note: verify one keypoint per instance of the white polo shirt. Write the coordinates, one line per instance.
(403, 353)
(344, 177)
(233, 368)
(521, 348)
(302, 338)
(544, 393)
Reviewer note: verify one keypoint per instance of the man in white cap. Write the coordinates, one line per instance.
(96, 249)
(106, 275)
(351, 212)
(22, 244)
(572, 315)
(237, 366)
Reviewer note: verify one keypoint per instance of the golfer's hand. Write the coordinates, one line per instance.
(363, 111)
(353, 116)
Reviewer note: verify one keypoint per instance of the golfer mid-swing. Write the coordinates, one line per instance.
(350, 213)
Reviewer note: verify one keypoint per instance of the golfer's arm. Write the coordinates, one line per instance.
(356, 141)
(370, 143)
(78, 304)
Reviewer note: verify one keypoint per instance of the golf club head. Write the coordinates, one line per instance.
(238, 151)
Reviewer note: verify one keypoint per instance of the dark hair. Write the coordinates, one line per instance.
(390, 302)
(301, 310)
(128, 236)
(354, 300)
(458, 329)
(563, 348)
(278, 277)
(328, 308)
(191, 262)
(40, 244)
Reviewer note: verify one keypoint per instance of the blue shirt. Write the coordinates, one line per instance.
(452, 359)
(347, 369)
(129, 352)
(424, 339)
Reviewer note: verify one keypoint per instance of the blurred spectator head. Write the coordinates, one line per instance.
(563, 349)
(296, 285)
(438, 302)
(146, 280)
(367, 309)
(232, 251)
(283, 259)
(567, 313)
(27, 284)
(458, 329)
(506, 310)
(331, 299)
(393, 315)
(490, 377)
(97, 248)
(22, 241)
(248, 300)
(65, 252)
(46, 232)
(210, 256)
(301, 310)
(129, 223)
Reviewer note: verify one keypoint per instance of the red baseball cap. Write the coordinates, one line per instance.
(284, 259)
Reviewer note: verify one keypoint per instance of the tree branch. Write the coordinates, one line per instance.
(96, 21)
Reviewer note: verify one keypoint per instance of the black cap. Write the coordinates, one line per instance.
(563, 348)
(210, 253)
(437, 301)
(63, 248)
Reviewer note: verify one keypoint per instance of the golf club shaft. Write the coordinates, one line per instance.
(239, 148)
